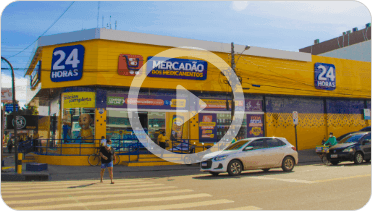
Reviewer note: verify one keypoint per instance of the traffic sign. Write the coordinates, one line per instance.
(295, 117)
(9, 107)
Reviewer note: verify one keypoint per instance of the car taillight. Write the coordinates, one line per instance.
(294, 148)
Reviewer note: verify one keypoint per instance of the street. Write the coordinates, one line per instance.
(316, 186)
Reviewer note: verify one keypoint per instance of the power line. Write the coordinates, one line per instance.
(45, 31)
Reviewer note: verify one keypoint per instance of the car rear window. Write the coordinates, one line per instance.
(236, 145)
(274, 143)
(351, 138)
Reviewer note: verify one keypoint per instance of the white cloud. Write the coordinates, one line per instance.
(239, 5)
(20, 87)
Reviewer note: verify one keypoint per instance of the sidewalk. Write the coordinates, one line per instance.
(57, 173)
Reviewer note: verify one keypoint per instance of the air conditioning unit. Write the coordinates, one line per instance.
(348, 32)
(355, 29)
(316, 41)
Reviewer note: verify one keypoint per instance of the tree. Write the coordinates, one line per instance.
(27, 110)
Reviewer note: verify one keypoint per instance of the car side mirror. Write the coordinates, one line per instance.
(248, 148)
(366, 142)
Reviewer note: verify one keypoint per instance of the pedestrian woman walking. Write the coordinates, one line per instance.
(107, 154)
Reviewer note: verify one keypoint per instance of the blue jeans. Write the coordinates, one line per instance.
(105, 165)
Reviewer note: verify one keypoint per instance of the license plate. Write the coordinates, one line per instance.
(204, 164)
(333, 156)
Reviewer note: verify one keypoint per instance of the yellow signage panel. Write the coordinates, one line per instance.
(79, 100)
(179, 103)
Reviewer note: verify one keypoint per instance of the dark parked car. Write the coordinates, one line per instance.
(354, 147)
(343, 136)
(366, 129)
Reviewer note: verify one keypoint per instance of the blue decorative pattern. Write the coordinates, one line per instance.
(337, 106)
(283, 104)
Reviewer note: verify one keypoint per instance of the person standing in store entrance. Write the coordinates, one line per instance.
(162, 141)
(107, 154)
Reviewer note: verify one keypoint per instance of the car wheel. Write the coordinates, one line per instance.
(234, 168)
(325, 160)
(334, 162)
(265, 170)
(358, 159)
(288, 164)
(214, 173)
(188, 161)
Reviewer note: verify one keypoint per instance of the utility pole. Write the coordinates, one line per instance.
(14, 115)
(232, 84)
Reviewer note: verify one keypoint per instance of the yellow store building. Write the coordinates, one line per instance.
(84, 78)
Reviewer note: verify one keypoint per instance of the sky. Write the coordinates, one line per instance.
(280, 25)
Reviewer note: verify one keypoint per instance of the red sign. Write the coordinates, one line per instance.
(6, 95)
(129, 65)
(142, 101)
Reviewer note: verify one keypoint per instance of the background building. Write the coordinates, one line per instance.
(353, 44)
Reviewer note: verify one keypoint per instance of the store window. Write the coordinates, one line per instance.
(223, 125)
(78, 125)
(118, 124)
(156, 123)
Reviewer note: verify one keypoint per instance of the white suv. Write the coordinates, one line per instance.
(251, 153)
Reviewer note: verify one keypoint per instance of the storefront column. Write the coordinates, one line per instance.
(194, 128)
(101, 116)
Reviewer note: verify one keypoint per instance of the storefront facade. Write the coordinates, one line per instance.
(87, 76)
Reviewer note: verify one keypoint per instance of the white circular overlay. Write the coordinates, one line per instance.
(212, 59)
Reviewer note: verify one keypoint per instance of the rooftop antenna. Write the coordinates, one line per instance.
(116, 24)
(98, 15)
(110, 21)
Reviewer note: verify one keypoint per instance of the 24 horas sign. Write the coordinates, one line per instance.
(67, 63)
(324, 76)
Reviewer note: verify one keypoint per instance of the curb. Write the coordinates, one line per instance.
(24, 177)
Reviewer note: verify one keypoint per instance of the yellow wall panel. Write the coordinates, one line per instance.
(340, 124)
(310, 131)
(312, 128)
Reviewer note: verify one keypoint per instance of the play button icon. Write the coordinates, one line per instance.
(196, 105)
(183, 107)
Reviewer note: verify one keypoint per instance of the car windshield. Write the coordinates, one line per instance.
(237, 145)
(352, 138)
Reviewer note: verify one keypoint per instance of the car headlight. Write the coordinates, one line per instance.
(350, 149)
(219, 158)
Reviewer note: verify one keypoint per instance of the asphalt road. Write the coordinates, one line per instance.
(308, 187)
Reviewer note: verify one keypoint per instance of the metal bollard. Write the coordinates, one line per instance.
(19, 163)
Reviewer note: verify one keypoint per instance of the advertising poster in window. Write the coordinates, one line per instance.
(79, 100)
(207, 127)
(78, 117)
(255, 125)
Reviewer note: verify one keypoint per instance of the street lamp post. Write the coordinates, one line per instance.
(14, 115)
(233, 67)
